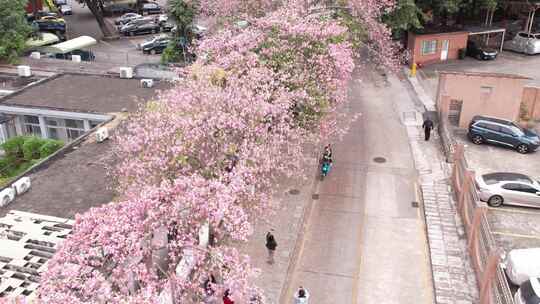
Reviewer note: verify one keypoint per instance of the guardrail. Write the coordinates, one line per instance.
(484, 252)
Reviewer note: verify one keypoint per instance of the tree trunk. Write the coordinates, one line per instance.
(97, 10)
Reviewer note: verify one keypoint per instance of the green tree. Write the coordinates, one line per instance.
(14, 29)
(441, 10)
(404, 17)
(183, 13)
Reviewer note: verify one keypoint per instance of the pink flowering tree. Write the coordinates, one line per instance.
(197, 165)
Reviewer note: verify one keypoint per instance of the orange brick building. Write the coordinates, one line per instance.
(426, 48)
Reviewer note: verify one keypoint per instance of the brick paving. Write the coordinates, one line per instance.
(453, 277)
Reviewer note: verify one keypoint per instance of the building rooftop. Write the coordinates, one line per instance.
(84, 93)
(69, 183)
(482, 74)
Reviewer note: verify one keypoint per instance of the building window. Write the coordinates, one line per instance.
(74, 128)
(94, 123)
(429, 47)
(31, 125)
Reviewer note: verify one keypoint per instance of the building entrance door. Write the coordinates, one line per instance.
(444, 50)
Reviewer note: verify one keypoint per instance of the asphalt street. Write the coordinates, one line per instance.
(364, 240)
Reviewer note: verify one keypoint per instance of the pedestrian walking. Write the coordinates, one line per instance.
(301, 296)
(226, 298)
(271, 245)
(428, 126)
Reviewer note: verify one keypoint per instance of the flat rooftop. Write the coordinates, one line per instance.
(70, 183)
(85, 93)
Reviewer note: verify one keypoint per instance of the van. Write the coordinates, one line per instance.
(522, 264)
(528, 292)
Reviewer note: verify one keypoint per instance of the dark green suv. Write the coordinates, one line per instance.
(483, 129)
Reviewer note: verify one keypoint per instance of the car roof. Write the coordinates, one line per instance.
(492, 119)
(497, 177)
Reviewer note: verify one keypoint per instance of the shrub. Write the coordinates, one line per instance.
(50, 147)
(13, 147)
(31, 148)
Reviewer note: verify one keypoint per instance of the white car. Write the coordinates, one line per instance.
(66, 10)
(508, 188)
(524, 42)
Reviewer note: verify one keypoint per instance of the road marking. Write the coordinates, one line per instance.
(356, 275)
(526, 236)
(513, 210)
(428, 276)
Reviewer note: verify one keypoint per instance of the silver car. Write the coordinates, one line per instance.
(508, 188)
(524, 42)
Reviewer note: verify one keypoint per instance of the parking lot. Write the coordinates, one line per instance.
(513, 227)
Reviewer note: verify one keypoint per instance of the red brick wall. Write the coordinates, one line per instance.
(456, 41)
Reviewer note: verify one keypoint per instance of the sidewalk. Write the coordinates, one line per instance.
(287, 225)
(454, 279)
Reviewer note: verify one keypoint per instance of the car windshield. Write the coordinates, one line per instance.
(494, 178)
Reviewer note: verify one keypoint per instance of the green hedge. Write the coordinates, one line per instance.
(22, 152)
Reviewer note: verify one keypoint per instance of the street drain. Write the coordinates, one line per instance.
(315, 196)
(294, 192)
(414, 204)
(379, 160)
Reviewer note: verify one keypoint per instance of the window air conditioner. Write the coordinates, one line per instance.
(147, 83)
(102, 134)
(126, 72)
(24, 71)
(76, 58)
(22, 185)
(7, 196)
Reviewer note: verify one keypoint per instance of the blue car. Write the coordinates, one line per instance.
(483, 129)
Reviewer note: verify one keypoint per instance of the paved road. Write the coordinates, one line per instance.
(364, 242)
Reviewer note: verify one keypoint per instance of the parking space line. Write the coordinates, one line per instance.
(513, 210)
(526, 236)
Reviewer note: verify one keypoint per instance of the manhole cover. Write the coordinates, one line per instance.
(379, 159)
(414, 204)
(294, 191)
(315, 196)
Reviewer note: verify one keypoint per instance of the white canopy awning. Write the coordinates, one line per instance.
(71, 45)
(42, 40)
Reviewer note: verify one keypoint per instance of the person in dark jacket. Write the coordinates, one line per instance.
(428, 126)
(271, 245)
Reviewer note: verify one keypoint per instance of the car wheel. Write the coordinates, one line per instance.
(152, 52)
(477, 139)
(495, 201)
(132, 33)
(523, 149)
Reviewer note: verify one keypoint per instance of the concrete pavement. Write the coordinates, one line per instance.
(364, 240)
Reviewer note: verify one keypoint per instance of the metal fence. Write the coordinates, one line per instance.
(124, 58)
(483, 250)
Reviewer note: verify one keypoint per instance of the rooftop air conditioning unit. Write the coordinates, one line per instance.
(35, 55)
(102, 134)
(126, 72)
(147, 83)
(76, 58)
(24, 71)
(22, 185)
(7, 196)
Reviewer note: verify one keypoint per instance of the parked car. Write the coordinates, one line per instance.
(85, 55)
(508, 188)
(150, 8)
(480, 52)
(39, 15)
(136, 28)
(126, 18)
(66, 10)
(528, 292)
(155, 45)
(483, 129)
(521, 264)
(112, 8)
(524, 43)
(52, 18)
(54, 26)
(59, 3)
